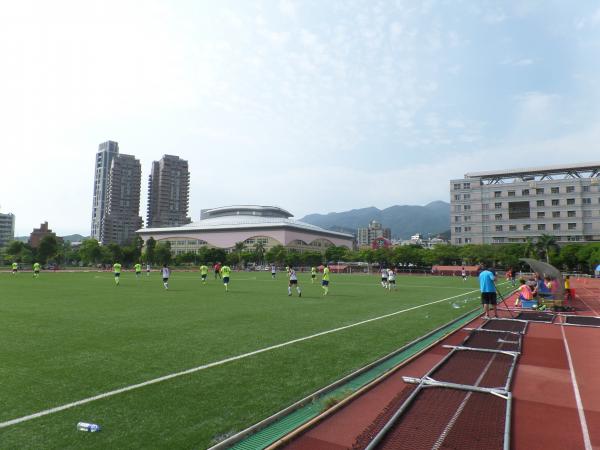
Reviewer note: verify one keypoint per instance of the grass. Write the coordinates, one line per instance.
(65, 337)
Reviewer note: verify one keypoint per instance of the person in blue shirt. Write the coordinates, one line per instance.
(488, 292)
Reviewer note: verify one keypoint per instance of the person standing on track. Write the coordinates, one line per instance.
(117, 271)
(166, 273)
(293, 282)
(225, 272)
(488, 292)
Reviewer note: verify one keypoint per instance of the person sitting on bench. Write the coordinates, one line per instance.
(525, 293)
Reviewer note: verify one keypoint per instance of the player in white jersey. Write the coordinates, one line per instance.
(273, 271)
(463, 273)
(384, 278)
(391, 279)
(293, 282)
(166, 273)
(148, 269)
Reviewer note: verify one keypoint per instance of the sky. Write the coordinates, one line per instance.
(315, 105)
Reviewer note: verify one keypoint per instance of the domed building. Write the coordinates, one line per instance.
(225, 226)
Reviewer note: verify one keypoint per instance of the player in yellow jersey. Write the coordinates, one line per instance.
(325, 281)
(117, 271)
(138, 270)
(15, 267)
(203, 273)
(36, 270)
(225, 272)
(313, 274)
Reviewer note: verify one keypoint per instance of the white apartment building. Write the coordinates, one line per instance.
(510, 206)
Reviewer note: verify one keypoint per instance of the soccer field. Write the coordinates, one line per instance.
(68, 337)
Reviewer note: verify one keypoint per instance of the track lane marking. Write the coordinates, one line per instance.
(584, 428)
(214, 364)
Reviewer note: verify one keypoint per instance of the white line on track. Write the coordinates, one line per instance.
(584, 428)
(585, 303)
(56, 409)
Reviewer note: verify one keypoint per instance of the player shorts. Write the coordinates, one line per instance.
(383, 279)
(117, 275)
(138, 273)
(203, 276)
(225, 280)
(14, 270)
(488, 298)
(165, 280)
(313, 276)
(293, 281)
(36, 271)
(325, 283)
(392, 281)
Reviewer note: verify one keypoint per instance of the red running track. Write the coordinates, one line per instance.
(556, 389)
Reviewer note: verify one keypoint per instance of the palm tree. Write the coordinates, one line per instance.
(239, 248)
(529, 247)
(259, 249)
(545, 243)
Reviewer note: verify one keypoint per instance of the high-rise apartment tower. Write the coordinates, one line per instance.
(106, 153)
(7, 228)
(168, 193)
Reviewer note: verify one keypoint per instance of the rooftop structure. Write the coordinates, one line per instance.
(252, 224)
(511, 206)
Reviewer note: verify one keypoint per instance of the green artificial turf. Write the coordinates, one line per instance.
(66, 337)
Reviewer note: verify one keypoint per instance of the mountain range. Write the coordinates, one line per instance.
(403, 220)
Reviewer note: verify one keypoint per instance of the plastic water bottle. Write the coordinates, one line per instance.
(91, 427)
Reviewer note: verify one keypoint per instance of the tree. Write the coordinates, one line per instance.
(48, 249)
(259, 250)
(149, 256)
(545, 243)
(162, 253)
(334, 253)
(276, 254)
(90, 251)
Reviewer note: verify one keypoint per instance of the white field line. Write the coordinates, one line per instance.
(585, 303)
(584, 428)
(56, 409)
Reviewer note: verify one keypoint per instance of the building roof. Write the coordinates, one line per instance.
(242, 217)
(593, 167)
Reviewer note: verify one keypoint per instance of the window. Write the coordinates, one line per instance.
(586, 189)
(498, 217)
(457, 208)
(467, 229)
(555, 202)
(467, 207)
(511, 193)
(570, 189)
(456, 186)
(498, 194)
(554, 190)
(525, 192)
(486, 228)
(458, 240)
(586, 201)
(456, 196)
(497, 205)
(467, 218)
(457, 229)
(512, 228)
(466, 196)
(485, 218)
(541, 227)
(572, 226)
(539, 191)
(485, 206)
(457, 218)
(571, 214)
(466, 185)
(541, 215)
(527, 227)
(540, 203)
(498, 227)
(467, 240)
(555, 214)
(518, 210)
(587, 213)
(498, 240)
(570, 201)
(556, 226)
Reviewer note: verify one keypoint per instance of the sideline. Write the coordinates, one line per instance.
(584, 428)
(214, 364)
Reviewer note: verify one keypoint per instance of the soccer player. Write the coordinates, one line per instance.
(36, 270)
(488, 291)
(273, 271)
(203, 273)
(313, 274)
(325, 281)
(225, 272)
(463, 273)
(391, 279)
(15, 267)
(138, 270)
(166, 273)
(148, 269)
(217, 268)
(117, 271)
(384, 278)
(293, 282)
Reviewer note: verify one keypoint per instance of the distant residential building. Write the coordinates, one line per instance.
(366, 236)
(116, 203)
(7, 228)
(168, 193)
(122, 214)
(510, 206)
(36, 236)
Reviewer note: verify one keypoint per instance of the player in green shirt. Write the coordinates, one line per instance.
(225, 272)
(203, 273)
(117, 270)
(325, 282)
(138, 270)
(36, 270)
(15, 267)
(313, 274)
